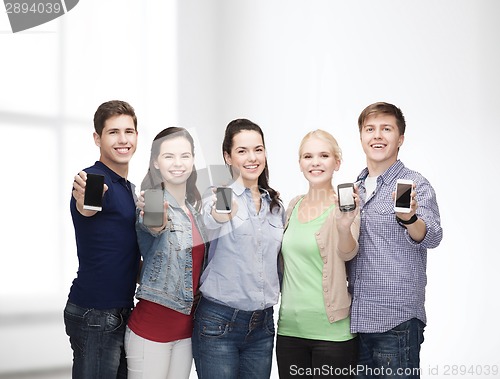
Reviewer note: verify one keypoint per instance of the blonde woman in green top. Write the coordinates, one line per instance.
(314, 340)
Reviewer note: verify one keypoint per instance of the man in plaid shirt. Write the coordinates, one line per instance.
(387, 278)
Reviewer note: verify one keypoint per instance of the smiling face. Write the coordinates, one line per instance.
(175, 161)
(117, 142)
(380, 139)
(318, 162)
(247, 156)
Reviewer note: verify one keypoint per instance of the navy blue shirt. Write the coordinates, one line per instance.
(108, 253)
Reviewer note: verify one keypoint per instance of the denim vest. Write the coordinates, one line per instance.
(167, 270)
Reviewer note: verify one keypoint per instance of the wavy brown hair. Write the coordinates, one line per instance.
(235, 127)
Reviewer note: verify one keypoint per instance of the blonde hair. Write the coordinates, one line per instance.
(325, 136)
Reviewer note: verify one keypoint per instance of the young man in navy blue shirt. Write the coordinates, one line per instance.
(101, 296)
(387, 278)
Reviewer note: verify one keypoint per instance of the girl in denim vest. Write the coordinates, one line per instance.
(158, 336)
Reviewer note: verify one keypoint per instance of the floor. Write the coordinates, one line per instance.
(49, 374)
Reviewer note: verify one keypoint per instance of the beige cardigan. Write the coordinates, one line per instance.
(335, 295)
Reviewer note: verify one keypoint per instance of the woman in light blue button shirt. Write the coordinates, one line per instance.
(234, 328)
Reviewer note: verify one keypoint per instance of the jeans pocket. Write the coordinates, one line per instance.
(114, 321)
(390, 361)
(211, 328)
(71, 318)
(104, 321)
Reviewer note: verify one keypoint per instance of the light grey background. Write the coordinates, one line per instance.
(291, 66)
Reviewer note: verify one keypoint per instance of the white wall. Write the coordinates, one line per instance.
(291, 66)
(299, 65)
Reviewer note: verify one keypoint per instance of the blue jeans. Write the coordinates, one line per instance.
(97, 340)
(392, 354)
(229, 343)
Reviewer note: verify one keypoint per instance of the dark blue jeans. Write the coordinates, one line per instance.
(97, 340)
(229, 343)
(392, 354)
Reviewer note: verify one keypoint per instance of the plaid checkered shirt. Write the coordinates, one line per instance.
(387, 278)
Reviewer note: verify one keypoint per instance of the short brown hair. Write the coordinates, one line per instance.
(383, 108)
(110, 109)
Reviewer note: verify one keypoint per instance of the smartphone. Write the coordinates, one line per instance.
(94, 187)
(153, 207)
(403, 196)
(224, 199)
(346, 198)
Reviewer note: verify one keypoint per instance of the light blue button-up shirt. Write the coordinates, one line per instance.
(242, 269)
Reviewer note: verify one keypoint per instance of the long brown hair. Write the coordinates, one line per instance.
(235, 127)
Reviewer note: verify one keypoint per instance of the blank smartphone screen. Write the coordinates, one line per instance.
(93, 192)
(403, 197)
(224, 198)
(153, 207)
(345, 194)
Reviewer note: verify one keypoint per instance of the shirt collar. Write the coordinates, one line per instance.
(387, 177)
(239, 188)
(392, 172)
(173, 202)
(114, 176)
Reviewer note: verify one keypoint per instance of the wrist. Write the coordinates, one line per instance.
(404, 223)
(343, 229)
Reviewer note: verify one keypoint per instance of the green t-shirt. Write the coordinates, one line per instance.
(302, 310)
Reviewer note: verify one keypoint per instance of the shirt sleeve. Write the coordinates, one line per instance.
(428, 211)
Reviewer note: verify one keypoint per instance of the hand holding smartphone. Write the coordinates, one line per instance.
(345, 193)
(224, 199)
(94, 188)
(402, 200)
(153, 207)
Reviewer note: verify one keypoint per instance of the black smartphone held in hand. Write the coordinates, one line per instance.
(346, 199)
(224, 199)
(94, 188)
(153, 207)
(402, 200)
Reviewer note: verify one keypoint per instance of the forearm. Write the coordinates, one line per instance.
(346, 242)
(417, 230)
